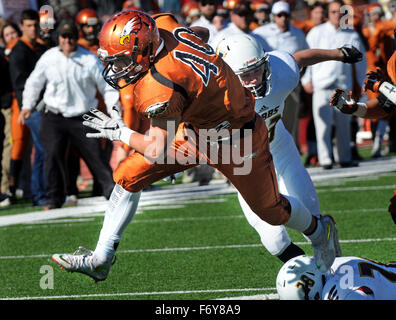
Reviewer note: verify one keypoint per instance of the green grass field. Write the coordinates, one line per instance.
(197, 249)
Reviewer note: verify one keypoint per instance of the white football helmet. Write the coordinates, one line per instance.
(243, 53)
(300, 279)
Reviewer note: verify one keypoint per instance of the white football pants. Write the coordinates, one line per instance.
(324, 118)
(293, 180)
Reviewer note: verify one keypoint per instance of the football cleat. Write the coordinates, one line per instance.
(83, 261)
(325, 248)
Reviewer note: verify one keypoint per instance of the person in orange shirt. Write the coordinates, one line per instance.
(379, 82)
(382, 107)
(199, 112)
(316, 17)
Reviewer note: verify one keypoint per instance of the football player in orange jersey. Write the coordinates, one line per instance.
(382, 107)
(377, 108)
(199, 112)
(88, 24)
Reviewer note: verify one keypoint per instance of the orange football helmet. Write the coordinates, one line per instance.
(231, 4)
(87, 17)
(259, 5)
(190, 10)
(374, 8)
(129, 42)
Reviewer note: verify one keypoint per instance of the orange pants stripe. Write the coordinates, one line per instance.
(19, 133)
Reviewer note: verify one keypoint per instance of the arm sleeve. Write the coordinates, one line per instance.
(34, 85)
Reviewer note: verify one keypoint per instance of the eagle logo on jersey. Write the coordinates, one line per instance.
(133, 26)
(156, 109)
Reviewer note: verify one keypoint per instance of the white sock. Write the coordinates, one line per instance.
(300, 217)
(317, 235)
(119, 213)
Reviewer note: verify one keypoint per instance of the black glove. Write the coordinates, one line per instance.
(351, 54)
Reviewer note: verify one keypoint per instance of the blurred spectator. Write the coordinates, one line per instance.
(190, 12)
(47, 36)
(105, 8)
(240, 17)
(383, 40)
(208, 12)
(16, 137)
(70, 75)
(221, 19)
(23, 58)
(11, 10)
(316, 16)
(374, 13)
(8, 32)
(65, 9)
(281, 35)
(173, 6)
(262, 10)
(324, 77)
(88, 24)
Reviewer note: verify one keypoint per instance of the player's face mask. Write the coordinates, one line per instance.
(256, 80)
(119, 67)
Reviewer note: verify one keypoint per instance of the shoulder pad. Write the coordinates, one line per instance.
(159, 15)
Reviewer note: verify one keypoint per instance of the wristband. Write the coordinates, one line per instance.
(361, 109)
(125, 135)
(388, 90)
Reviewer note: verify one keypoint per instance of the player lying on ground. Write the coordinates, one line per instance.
(271, 77)
(349, 278)
(199, 112)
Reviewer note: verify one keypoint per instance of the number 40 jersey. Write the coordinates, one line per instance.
(354, 278)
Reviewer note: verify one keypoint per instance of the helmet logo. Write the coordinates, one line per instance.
(133, 26)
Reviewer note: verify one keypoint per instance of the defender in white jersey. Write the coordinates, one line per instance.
(272, 77)
(349, 278)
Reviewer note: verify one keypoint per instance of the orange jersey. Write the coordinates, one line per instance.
(189, 81)
(383, 40)
(304, 25)
(372, 54)
(391, 67)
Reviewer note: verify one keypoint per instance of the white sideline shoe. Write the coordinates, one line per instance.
(324, 249)
(83, 261)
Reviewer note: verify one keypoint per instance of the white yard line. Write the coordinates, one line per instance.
(131, 294)
(269, 296)
(234, 246)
